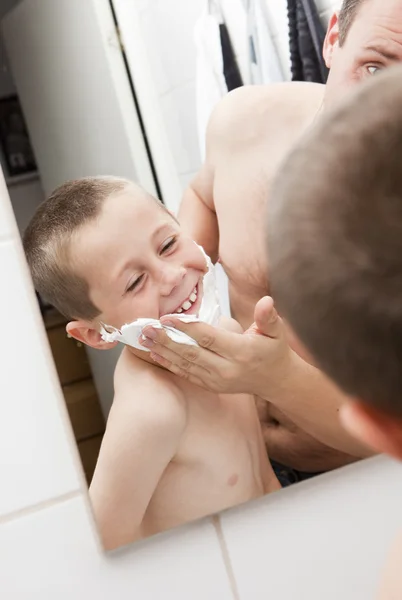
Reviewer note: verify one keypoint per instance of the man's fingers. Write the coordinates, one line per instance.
(219, 341)
(158, 341)
(189, 359)
(266, 318)
(190, 373)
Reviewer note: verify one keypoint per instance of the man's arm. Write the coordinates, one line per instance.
(259, 362)
(142, 436)
(197, 215)
(228, 129)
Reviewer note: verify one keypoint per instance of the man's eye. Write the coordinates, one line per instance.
(135, 284)
(169, 244)
(374, 70)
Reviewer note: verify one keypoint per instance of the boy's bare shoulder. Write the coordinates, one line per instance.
(243, 111)
(147, 390)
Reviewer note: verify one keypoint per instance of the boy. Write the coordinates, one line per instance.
(101, 250)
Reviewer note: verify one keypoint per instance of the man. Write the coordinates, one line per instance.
(335, 248)
(250, 133)
(335, 259)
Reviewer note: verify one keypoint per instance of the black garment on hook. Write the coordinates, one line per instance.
(306, 39)
(230, 67)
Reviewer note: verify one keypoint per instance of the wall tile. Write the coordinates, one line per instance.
(179, 113)
(54, 553)
(173, 35)
(36, 461)
(307, 542)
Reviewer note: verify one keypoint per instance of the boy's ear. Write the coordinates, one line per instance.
(84, 332)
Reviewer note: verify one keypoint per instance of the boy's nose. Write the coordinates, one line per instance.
(171, 277)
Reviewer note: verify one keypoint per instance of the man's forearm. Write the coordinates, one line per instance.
(200, 223)
(312, 402)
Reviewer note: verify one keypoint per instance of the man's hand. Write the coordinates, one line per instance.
(227, 362)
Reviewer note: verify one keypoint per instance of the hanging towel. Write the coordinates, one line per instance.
(217, 71)
(306, 39)
(264, 61)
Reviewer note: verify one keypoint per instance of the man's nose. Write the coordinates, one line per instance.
(170, 277)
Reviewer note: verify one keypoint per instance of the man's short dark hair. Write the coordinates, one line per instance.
(335, 242)
(347, 15)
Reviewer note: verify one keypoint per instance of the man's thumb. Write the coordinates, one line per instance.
(266, 318)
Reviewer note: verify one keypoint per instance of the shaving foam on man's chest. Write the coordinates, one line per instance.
(209, 313)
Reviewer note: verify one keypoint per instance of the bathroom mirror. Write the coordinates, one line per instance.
(113, 89)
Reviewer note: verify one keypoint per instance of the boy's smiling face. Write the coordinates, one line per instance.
(137, 262)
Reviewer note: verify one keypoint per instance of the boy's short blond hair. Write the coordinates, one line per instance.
(47, 241)
(335, 242)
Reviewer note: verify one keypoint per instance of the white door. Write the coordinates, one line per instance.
(75, 92)
(136, 49)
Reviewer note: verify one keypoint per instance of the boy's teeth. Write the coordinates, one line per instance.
(188, 303)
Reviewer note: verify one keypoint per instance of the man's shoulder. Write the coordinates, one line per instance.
(248, 107)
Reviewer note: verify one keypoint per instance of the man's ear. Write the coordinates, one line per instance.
(84, 332)
(331, 41)
(375, 428)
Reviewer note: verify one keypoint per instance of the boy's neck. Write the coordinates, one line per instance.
(141, 354)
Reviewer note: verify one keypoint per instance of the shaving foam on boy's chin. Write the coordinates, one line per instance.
(209, 313)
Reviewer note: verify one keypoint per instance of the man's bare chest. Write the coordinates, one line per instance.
(242, 243)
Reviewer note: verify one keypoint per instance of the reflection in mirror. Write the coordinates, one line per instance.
(171, 452)
(157, 450)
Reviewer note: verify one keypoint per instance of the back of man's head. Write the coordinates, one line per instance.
(335, 243)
